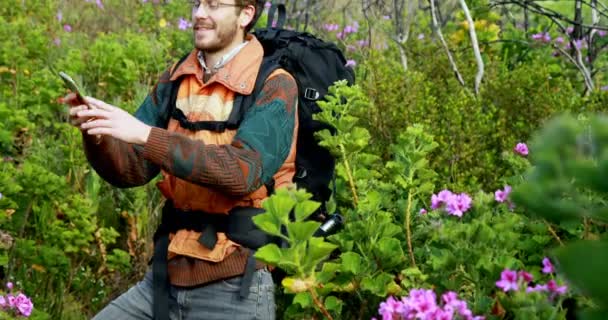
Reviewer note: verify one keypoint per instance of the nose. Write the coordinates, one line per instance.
(200, 12)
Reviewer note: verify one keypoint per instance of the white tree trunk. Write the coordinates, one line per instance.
(475, 44)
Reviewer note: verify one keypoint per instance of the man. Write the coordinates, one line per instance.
(208, 176)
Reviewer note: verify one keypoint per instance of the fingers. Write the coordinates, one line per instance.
(98, 123)
(100, 131)
(98, 104)
(74, 110)
(97, 113)
(71, 99)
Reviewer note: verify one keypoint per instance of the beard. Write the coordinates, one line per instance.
(222, 36)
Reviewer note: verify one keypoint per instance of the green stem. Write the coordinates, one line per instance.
(408, 230)
(319, 304)
(351, 180)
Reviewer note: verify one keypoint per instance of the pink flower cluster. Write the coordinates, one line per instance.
(454, 204)
(422, 304)
(521, 148)
(502, 196)
(511, 280)
(20, 304)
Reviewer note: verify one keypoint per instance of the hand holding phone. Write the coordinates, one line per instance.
(71, 84)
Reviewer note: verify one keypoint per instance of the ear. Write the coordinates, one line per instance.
(246, 16)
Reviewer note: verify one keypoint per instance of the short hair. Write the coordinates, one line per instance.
(259, 7)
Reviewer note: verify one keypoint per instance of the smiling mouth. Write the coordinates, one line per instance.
(203, 27)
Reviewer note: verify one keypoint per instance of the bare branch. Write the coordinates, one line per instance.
(475, 44)
(437, 31)
(578, 63)
(549, 13)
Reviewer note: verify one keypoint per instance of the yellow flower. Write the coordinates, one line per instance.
(162, 22)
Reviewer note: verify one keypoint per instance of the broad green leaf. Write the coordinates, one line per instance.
(270, 253)
(351, 262)
(334, 304)
(303, 299)
(377, 285)
(268, 224)
(390, 252)
(302, 231)
(318, 250)
(305, 209)
(582, 263)
(280, 205)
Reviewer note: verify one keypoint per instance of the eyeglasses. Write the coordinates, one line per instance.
(212, 5)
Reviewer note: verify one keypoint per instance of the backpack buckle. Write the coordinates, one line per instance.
(311, 94)
(301, 173)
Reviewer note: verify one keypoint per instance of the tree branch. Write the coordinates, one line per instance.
(475, 44)
(437, 31)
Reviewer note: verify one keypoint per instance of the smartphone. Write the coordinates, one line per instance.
(71, 84)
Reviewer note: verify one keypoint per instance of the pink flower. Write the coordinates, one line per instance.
(99, 4)
(441, 198)
(459, 204)
(547, 266)
(508, 280)
(24, 304)
(388, 309)
(522, 149)
(555, 289)
(2, 302)
(9, 285)
(525, 276)
(67, 28)
(267, 4)
(422, 211)
(449, 296)
(502, 195)
(537, 288)
(350, 63)
(602, 33)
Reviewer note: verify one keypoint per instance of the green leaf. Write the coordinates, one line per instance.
(582, 262)
(280, 205)
(302, 231)
(270, 253)
(351, 262)
(318, 250)
(377, 285)
(303, 299)
(268, 224)
(390, 252)
(305, 209)
(334, 304)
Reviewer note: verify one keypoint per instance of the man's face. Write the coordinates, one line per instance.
(215, 28)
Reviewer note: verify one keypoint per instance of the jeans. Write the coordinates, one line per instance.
(217, 300)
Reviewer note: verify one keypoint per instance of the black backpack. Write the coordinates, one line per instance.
(315, 65)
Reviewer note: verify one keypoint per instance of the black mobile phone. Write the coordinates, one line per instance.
(71, 84)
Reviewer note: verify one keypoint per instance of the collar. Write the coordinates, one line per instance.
(223, 60)
(238, 72)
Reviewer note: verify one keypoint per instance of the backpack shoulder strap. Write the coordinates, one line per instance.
(170, 107)
(244, 102)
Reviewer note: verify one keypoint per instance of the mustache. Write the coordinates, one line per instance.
(206, 25)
